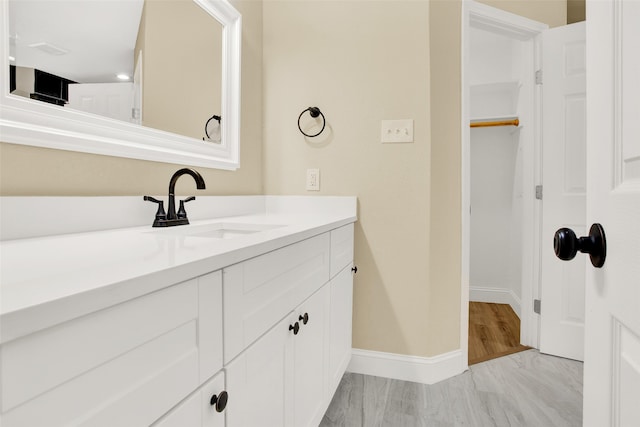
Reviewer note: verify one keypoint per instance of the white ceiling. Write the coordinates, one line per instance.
(99, 36)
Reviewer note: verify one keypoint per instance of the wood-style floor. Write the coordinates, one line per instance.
(523, 389)
(494, 331)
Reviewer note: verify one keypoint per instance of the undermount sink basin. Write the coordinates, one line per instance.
(220, 230)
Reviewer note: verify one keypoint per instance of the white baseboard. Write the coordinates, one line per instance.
(495, 295)
(425, 370)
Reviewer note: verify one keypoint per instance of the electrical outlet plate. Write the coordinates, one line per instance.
(313, 179)
(393, 131)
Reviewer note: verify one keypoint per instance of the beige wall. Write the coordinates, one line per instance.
(445, 246)
(30, 171)
(576, 11)
(362, 62)
(182, 71)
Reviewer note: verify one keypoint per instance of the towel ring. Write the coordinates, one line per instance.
(206, 125)
(314, 112)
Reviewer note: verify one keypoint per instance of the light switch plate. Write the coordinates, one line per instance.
(393, 131)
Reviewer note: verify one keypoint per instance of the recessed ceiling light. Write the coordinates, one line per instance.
(123, 76)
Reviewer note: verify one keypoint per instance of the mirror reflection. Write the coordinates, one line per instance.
(155, 63)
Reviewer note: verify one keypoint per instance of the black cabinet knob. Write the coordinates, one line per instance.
(566, 245)
(220, 401)
(354, 269)
(304, 319)
(295, 328)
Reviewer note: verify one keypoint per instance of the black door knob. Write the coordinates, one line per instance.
(220, 401)
(304, 319)
(295, 328)
(566, 244)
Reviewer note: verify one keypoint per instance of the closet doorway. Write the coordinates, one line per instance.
(523, 177)
(501, 225)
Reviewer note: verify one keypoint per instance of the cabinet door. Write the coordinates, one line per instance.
(124, 365)
(258, 381)
(281, 380)
(340, 330)
(197, 410)
(310, 360)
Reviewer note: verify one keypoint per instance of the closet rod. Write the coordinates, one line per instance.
(511, 122)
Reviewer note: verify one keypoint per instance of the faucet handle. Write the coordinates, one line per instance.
(160, 214)
(181, 212)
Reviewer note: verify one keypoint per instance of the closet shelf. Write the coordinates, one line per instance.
(494, 99)
(477, 122)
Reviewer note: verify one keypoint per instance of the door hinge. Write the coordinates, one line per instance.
(536, 306)
(539, 192)
(538, 77)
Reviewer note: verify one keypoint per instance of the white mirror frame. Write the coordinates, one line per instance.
(28, 122)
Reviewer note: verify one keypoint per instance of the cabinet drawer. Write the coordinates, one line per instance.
(261, 291)
(341, 248)
(124, 365)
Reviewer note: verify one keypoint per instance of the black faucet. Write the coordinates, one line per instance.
(171, 218)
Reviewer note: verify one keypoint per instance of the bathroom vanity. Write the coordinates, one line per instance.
(236, 320)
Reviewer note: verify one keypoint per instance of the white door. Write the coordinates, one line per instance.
(612, 324)
(114, 100)
(564, 183)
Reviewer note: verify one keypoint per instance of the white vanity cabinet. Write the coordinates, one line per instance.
(288, 376)
(281, 379)
(261, 291)
(270, 332)
(125, 365)
(266, 299)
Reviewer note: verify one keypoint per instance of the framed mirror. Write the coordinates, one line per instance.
(180, 104)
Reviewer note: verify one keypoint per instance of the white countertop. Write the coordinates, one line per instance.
(48, 280)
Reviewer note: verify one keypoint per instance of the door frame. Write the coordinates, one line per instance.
(479, 15)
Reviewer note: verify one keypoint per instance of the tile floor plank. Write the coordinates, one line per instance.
(522, 389)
